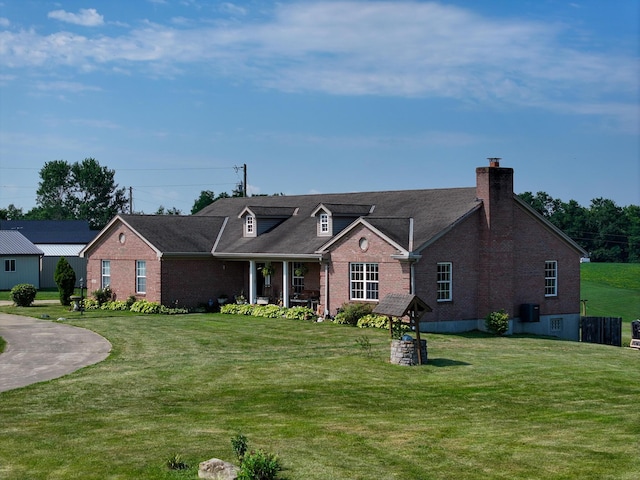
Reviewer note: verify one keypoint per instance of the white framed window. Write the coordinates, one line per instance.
(550, 278)
(444, 283)
(106, 273)
(364, 281)
(323, 224)
(141, 276)
(250, 226)
(10, 265)
(297, 278)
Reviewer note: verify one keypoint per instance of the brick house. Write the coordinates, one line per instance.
(464, 251)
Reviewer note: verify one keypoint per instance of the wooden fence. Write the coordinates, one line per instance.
(604, 330)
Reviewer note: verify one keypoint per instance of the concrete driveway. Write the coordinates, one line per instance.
(39, 350)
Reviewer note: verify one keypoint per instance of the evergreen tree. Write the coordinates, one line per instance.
(65, 278)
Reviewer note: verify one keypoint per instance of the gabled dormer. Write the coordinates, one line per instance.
(332, 218)
(259, 220)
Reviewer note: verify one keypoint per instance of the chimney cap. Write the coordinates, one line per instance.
(494, 161)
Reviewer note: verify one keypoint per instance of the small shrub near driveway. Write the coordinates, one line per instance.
(23, 294)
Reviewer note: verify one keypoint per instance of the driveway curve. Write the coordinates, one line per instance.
(40, 350)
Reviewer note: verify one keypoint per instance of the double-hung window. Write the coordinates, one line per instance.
(364, 282)
(444, 282)
(551, 278)
(10, 265)
(106, 273)
(297, 279)
(324, 224)
(250, 225)
(141, 276)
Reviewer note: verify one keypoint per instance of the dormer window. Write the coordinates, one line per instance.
(323, 224)
(250, 226)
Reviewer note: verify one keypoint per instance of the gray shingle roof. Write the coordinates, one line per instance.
(177, 233)
(13, 242)
(433, 211)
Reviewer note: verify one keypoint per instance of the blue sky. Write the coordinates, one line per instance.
(324, 96)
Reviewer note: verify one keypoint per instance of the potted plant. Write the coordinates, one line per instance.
(301, 270)
(268, 270)
(222, 299)
(240, 299)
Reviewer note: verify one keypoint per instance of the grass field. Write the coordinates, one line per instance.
(484, 407)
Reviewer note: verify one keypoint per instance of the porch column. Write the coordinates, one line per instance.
(253, 286)
(285, 283)
(325, 313)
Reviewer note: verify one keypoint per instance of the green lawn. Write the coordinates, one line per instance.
(484, 407)
(612, 290)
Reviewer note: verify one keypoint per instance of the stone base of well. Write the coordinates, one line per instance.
(405, 352)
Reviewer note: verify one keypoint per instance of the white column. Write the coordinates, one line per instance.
(285, 283)
(253, 286)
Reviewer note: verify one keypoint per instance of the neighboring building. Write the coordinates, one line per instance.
(56, 238)
(464, 251)
(19, 260)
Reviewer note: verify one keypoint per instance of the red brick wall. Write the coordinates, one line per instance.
(394, 276)
(535, 245)
(461, 247)
(189, 281)
(193, 281)
(123, 257)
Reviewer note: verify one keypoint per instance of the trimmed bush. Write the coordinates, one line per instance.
(23, 294)
(103, 295)
(350, 313)
(65, 278)
(497, 322)
(259, 465)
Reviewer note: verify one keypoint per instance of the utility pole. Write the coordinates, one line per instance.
(244, 181)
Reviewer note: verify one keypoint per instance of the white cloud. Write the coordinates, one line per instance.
(87, 17)
(4, 22)
(405, 49)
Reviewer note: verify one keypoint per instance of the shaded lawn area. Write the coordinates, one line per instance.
(484, 407)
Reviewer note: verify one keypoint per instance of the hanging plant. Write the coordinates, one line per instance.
(268, 270)
(301, 270)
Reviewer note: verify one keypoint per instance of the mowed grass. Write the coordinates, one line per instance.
(483, 407)
(612, 290)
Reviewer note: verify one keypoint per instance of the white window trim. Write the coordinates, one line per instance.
(140, 277)
(11, 264)
(370, 277)
(249, 226)
(448, 282)
(324, 224)
(551, 281)
(104, 284)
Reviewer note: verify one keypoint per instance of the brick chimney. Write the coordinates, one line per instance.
(494, 186)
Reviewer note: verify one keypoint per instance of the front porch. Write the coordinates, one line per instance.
(284, 282)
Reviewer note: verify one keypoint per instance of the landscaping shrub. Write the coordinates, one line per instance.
(259, 465)
(350, 313)
(65, 279)
(115, 305)
(103, 295)
(373, 321)
(497, 322)
(23, 294)
(268, 311)
(151, 308)
(239, 444)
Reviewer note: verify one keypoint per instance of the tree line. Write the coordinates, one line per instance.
(608, 232)
(87, 191)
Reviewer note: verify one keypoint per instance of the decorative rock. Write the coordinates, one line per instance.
(217, 469)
